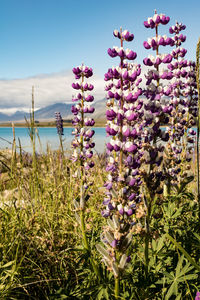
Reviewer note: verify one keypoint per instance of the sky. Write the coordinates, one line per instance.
(42, 40)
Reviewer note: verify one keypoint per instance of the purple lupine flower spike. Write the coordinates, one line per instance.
(124, 126)
(82, 143)
(183, 110)
(59, 123)
(158, 109)
(197, 296)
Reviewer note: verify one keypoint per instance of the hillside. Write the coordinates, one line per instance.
(48, 113)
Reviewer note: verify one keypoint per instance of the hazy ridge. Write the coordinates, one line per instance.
(47, 113)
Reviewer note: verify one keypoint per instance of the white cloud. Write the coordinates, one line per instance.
(12, 110)
(53, 88)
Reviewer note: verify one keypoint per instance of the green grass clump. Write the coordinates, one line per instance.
(40, 239)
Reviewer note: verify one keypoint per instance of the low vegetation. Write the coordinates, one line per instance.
(42, 256)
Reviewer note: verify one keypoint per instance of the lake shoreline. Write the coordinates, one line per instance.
(46, 124)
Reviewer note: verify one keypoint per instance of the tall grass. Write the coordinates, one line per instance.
(39, 234)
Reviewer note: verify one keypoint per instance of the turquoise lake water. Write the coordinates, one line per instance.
(48, 136)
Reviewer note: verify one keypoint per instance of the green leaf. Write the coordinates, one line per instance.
(179, 265)
(197, 236)
(187, 268)
(158, 267)
(169, 276)
(190, 259)
(179, 297)
(10, 263)
(177, 213)
(160, 243)
(173, 290)
(100, 294)
(106, 294)
(154, 245)
(188, 277)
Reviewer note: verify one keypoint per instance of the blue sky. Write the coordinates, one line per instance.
(51, 36)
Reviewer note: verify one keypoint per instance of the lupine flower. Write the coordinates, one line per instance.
(124, 126)
(156, 20)
(197, 296)
(183, 96)
(157, 111)
(82, 143)
(59, 123)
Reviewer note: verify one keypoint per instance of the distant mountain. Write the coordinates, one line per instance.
(100, 110)
(48, 113)
(3, 117)
(18, 115)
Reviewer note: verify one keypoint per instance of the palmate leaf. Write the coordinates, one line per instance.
(176, 278)
(187, 277)
(171, 210)
(179, 265)
(157, 245)
(187, 268)
(160, 243)
(173, 290)
(189, 258)
(179, 297)
(169, 276)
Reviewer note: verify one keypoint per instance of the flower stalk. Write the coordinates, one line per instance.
(117, 288)
(182, 87)
(156, 114)
(60, 130)
(83, 145)
(123, 204)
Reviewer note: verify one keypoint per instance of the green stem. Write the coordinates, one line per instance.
(86, 245)
(61, 145)
(85, 241)
(146, 253)
(14, 158)
(149, 207)
(146, 250)
(117, 288)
